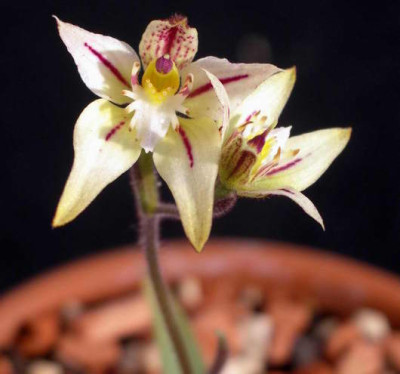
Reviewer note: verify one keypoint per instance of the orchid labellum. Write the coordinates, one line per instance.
(162, 103)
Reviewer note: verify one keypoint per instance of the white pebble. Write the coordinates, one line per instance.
(373, 325)
(44, 367)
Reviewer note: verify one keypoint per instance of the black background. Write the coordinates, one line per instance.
(348, 68)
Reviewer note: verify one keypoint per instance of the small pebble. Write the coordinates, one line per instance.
(252, 298)
(41, 335)
(190, 293)
(213, 319)
(341, 339)
(392, 350)
(306, 351)
(315, 368)
(290, 319)
(5, 366)
(44, 367)
(242, 365)
(374, 325)
(72, 310)
(324, 329)
(76, 352)
(132, 359)
(362, 358)
(151, 358)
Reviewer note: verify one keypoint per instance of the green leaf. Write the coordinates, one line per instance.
(168, 355)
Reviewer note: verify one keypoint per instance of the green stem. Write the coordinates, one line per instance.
(145, 188)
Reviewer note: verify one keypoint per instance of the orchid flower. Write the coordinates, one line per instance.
(178, 110)
(260, 160)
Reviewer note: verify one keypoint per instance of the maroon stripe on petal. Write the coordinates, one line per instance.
(107, 64)
(186, 143)
(284, 167)
(169, 37)
(208, 86)
(258, 141)
(243, 165)
(112, 132)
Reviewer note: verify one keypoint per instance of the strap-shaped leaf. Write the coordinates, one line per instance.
(168, 356)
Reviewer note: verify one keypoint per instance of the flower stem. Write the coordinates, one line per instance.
(144, 185)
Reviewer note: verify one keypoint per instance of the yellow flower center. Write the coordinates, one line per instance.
(161, 79)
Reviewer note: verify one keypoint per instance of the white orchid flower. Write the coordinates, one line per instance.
(178, 111)
(259, 159)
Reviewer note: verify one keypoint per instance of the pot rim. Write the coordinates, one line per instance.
(329, 281)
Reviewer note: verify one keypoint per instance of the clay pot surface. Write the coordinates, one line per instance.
(328, 282)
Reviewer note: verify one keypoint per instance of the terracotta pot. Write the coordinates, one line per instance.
(329, 282)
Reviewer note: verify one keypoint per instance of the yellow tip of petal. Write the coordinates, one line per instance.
(346, 133)
(199, 244)
(58, 220)
(290, 74)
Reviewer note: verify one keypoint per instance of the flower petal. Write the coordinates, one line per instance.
(268, 99)
(172, 36)
(187, 159)
(303, 201)
(104, 149)
(317, 150)
(104, 63)
(239, 81)
(222, 96)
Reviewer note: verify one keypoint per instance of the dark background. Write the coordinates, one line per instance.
(347, 59)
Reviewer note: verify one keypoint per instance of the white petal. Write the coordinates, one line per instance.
(187, 159)
(104, 63)
(269, 99)
(151, 120)
(317, 150)
(171, 36)
(151, 125)
(104, 149)
(239, 81)
(281, 136)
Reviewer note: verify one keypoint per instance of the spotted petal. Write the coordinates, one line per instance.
(239, 81)
(104, 149)
(172, 36)
(187, 159)
(317, 150)
(104, 63)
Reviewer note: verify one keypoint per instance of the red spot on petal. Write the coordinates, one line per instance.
(208, 86)
(107, 64)
(112, 132)
(186, 143)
